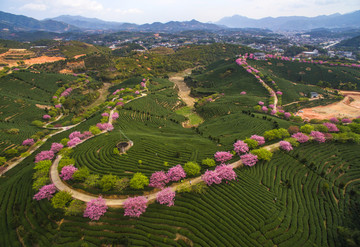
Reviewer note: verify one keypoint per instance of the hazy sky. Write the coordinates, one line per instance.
(148, 11)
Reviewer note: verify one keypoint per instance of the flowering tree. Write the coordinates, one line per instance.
(249, 159)
(105, 126)
(287, 115)
(334, 120)
(166, 196)
(73, 142)
(241, 147)
(223, 156)
(56, 147)
(243, 93)
(143, 84)
(135, 206)
(44, 155)
(176, 173)
(285, 145)
(264, 109)
(105, 114)
(279, 93)
(158, 179)
(346, 120)
(58, 106)
(225, 172)
(261, 103)
(271, 106)
(331, 127)
(28, 142)
(259, 139)
(67, 172)
(86, 135)
(46, 191)
(46, 117)
(95, 208)
(300, 137)
(210, 177)
(115, 116)
(137, 92)
(318, 136)
(75, 134)
(273, 112)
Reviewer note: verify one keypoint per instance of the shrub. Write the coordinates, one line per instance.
(192, 168)
(307, 128)
(64, 141)
(61, 199)
(107, 182)
(208, 162)
(121, 184)
(251, 143)
(81, 174)
(293, 129)
(2, 160)
(94, 130)
(92, 180)
(139, 181)
(262, 154)
(75, 208)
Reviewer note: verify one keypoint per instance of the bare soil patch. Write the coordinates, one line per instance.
(348, 107)
(42, 59)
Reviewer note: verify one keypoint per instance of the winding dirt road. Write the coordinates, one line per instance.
(184, 90)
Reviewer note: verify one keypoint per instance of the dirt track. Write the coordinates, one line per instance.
(348, 107)
(184, 90)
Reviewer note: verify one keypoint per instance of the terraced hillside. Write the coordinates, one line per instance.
(305, 197)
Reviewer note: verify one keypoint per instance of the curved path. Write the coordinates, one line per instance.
(151, 197)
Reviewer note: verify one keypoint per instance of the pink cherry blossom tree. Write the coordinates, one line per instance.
(318, 136)
(210, 177)
(75, 134)
(225, 172)
(240, 147)
(67, 172)
(56, 147)
(28, 142)
(158, 179)
(243, 93)
(223, 156)
(135, 206)
(264, 109)
(334, 120)
(287, 115)
(115, 116)
(46, 117)
(105, 114)
(300, 137)
(73, 142)
(95, 208)
(166, 196)
(176, 173)
(47, 191)
(249, 159)
(44, 155)
(331, 127)
(259, 139)
(261, 103)
(346, 120)
(285, 145)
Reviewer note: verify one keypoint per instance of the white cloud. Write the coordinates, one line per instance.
(128, 11)
(77, 5)
(34, 6)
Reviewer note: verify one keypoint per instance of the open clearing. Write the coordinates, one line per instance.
(348, 107)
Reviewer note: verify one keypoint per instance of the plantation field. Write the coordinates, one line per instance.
(228, 78)
(19, 94)
(308, 73)
(229, 128)
(260, 209)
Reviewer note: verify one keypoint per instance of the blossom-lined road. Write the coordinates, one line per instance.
(112, 202)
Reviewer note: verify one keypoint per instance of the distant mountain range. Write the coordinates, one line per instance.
(67, 23)
(349, 20)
